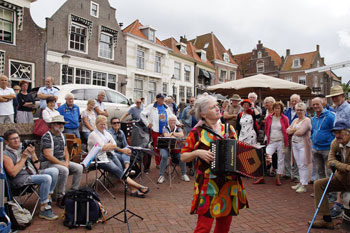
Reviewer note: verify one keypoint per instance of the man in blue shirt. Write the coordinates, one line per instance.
(134, 111)
(47, 91)
(71, 114)
(342, 106)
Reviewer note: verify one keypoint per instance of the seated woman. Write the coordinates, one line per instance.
(22, 167)
(50, 111)
(171, 131)
(113, 165)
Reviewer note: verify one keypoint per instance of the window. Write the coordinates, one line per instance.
(259, 54)
(99, 78)
(21, 71)
(226, 57)
(165, 88)
(151, 35)
(315, 81)
(232, 75)
(260, 67)
(106, 46)
(183, 49)
(289, 79)
(203, 56)
(94, 9)
(175, 93)
(112, 81)
(302, 80)
(138, 89)
(82, 76)
(2, 62)
(188, 92)
(78, 94)
(158, 63)
(321, 83)
(187, 70)
(92, 94)
(6, 25)
(115, 97)
(177, 70)
(69, 77)
(296, 62)
(140, 60)
(152, 91)
(78, 37)
(222, 76)
(206, 45)
(182, 92)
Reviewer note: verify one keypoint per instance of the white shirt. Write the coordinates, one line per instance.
(99, 105)
(96, 137)
(6, 108)
(48, 114)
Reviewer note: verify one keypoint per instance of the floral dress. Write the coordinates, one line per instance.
(214, 196)
(247, 133)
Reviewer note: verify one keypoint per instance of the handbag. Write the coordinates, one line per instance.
(40, 127)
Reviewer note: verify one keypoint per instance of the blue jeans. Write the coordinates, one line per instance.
(86, 135)
(72, 131)
(165, 155)
(114, 166)
(123, 158)
(47, 179)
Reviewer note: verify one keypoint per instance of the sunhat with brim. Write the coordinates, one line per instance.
(335, 90)
(236, 97)
(246, 101)
(58, 119)
(340, 125)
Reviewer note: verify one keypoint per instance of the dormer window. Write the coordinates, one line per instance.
(183, 48)
(149, 32)
(206, 45)
(259, 54)
(226, 57)
(94, 9)
(151, 35)
(296, 63)
(203, 56)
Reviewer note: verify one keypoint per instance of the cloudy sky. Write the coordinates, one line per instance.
(297, 25)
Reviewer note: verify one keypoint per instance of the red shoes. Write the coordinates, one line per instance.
(278, 183)
(259, 181)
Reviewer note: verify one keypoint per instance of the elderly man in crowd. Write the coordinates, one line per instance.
(324, 103)
(339, 155)
(253, 97)
(100, 108)
(188, 119)
(22, 166)
(54, 153)
(7, 95)
(133, 111)
(71, 113)
(47, 91)
(232, 110)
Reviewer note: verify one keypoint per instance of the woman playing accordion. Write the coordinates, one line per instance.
(216, 196)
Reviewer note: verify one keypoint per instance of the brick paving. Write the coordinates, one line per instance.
(272, 209)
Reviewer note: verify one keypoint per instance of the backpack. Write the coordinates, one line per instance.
(19, 216)
(80, 202)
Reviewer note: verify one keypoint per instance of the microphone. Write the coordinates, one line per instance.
(333, 168)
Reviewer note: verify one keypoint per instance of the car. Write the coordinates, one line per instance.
(116, 103)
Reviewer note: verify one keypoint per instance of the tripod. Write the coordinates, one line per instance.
(125, 210)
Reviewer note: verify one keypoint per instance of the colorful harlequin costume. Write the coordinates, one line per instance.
(214, 196)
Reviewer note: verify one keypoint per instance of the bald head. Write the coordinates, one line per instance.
(48, 82)
(317, 105)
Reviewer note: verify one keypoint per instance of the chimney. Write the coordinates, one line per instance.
(287, 52)
(322, 61)
(121, 25)
(259, 41)
(318, 48)
(183, 39)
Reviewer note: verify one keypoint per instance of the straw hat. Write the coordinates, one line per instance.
(58, 119)
(335, 90)
(236, 97)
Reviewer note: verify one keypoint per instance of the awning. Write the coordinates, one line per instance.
(212, 75)
(204, 73)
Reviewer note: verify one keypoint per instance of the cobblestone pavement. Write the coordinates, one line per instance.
(272, 209)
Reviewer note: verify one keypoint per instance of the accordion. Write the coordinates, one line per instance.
(232, 156)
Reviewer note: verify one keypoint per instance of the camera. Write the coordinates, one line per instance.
(27, 143)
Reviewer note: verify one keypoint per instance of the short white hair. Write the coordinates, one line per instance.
(269, 99)
(201, 105)
(172, 117)
(101, 92)
(252, 94)
(295, 96)
(318, 98)
(300, 105)
(69, 95)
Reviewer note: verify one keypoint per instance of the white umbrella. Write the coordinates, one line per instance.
(264, 85)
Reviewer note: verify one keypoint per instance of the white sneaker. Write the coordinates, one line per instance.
(185, 178)
(161, 180)
(295, 187)
(301, 189)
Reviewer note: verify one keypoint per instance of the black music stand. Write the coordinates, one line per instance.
(170, 144)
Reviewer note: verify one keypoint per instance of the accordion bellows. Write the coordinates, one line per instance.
(232, 156)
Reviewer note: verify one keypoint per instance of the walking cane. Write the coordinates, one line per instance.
(324, 193)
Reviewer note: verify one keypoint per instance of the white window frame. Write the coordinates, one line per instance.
(32, 81)
(158, 63)
(177, 70)
(138, 92)
(80, 77)
(111, 46)
(226, 57)
(151, 94)
(259, 54)
(302, 80)
(165, 88)
(14, 23)
(182, 93)
(86, 38)
(315, 81)
(221, 78)
(98, 9)
(260, 68)
(183, 48)
(232, 73)
(188, 92)
(152, 35)
(187, 73)
(140, 65)
(204, 55)
(296, 60)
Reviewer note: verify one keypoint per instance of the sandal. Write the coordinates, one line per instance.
(143, 187)
(137, 194)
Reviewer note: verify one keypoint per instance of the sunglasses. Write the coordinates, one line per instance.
(115, 122)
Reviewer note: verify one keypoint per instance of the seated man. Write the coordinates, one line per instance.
(122, 151)
(339, 155)
(22, 166)
(171, 131)
(54, 153)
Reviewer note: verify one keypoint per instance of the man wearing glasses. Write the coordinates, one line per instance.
(134, 111)
(54, 153)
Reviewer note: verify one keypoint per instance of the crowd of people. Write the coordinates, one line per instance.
(293, 138)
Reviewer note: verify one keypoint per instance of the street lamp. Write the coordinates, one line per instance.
(173, 81)
(65, 61)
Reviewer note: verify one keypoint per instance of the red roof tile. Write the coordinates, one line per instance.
(306, 63)
(275, 57)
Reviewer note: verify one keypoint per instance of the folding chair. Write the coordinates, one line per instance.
(171, 167)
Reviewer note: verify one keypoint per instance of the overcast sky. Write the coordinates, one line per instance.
(297, 25)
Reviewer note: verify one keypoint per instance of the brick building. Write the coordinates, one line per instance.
(21, 43)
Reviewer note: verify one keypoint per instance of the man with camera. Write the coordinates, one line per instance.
(54, 153)
(339, 155)
(22, 166)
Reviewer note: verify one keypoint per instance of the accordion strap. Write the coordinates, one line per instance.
(211, 131)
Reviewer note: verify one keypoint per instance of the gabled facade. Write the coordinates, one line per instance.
(225, 66)
(294, 66)
(88, 32)
(148, 63)
(21, 43)
(260, 60)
